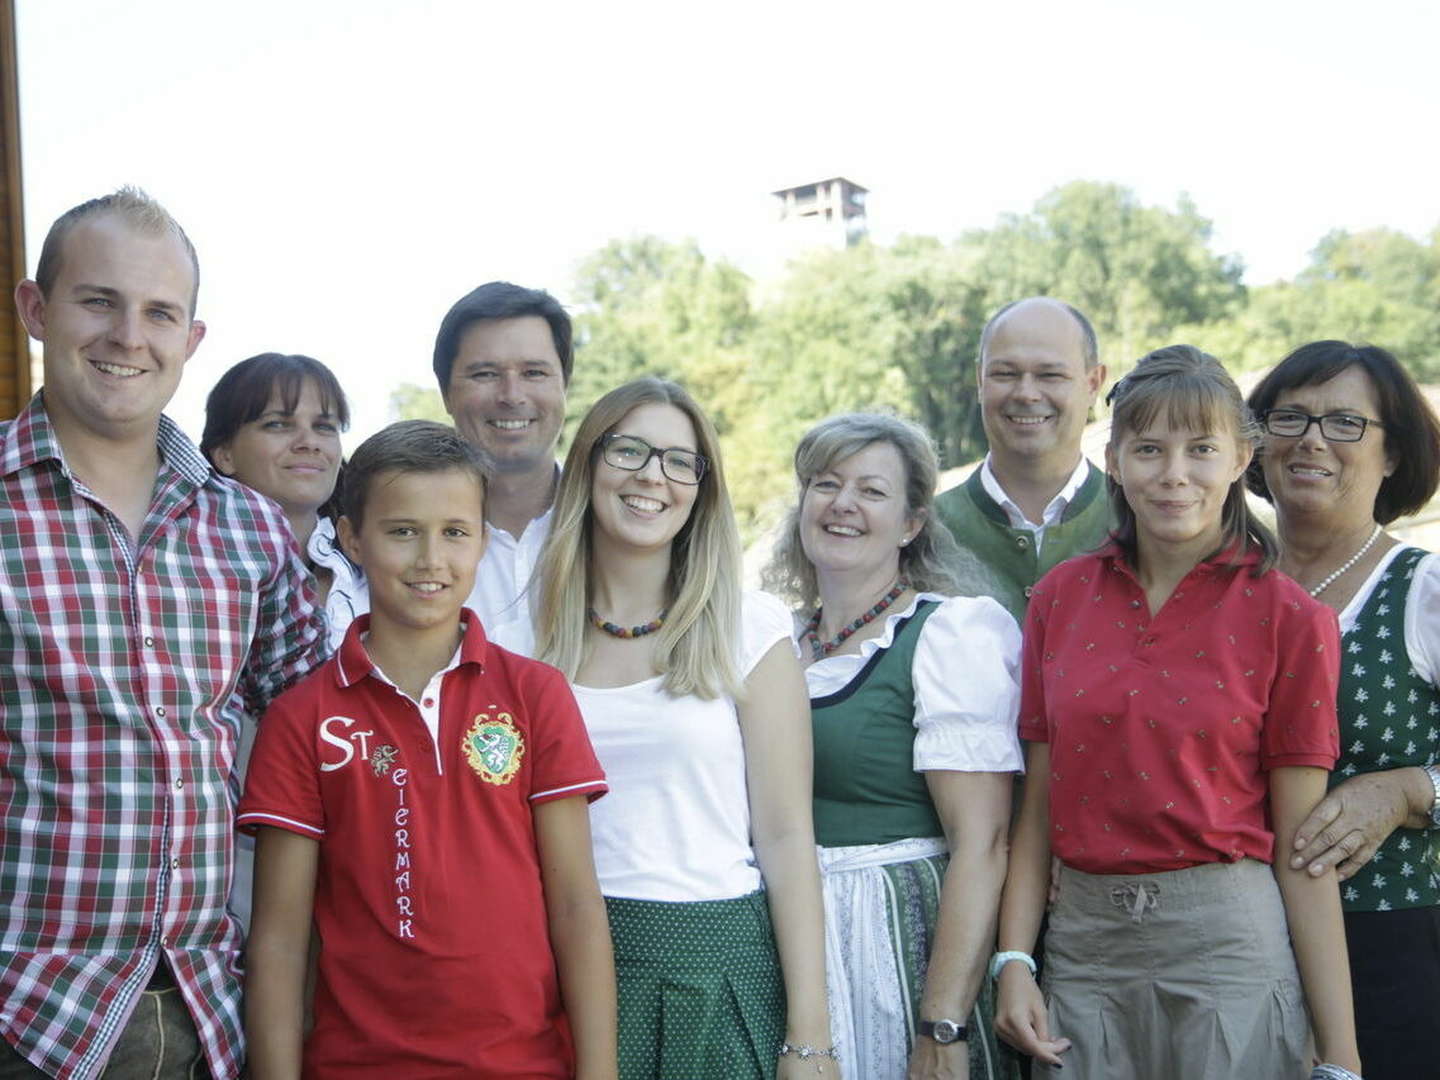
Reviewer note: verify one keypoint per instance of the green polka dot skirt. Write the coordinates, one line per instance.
(701, 997)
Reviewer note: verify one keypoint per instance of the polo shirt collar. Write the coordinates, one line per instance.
(353, 663)
(33, 440)
(1227, 558)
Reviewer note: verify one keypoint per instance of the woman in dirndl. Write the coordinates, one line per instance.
(1178, 701)
(696, 708)
(1351, 445)
(913, 698)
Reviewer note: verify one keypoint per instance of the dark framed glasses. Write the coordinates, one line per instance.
(1334, 427)
(632, 453)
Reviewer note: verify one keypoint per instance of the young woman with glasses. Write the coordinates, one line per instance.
(697, 709)
(1351, 446)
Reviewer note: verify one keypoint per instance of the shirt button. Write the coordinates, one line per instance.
(1029, 589)
(179, 783)
(1134, 603)
(160, 711)
(429, 703)
(175, 864)
(1022, 541)
(165, 941)
(149, 642)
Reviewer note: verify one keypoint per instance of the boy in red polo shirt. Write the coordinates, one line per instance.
(422, 798)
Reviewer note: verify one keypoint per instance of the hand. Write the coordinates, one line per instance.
(1351, 822)
(791, 1067)
(931, 1061)
(1021, 1019)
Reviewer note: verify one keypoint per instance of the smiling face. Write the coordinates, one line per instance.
(1312, 476)
(116, 328)
(853, 515)
(419, 543)
(644, 510)
(507, 392)
(1176, 480)
(1035, 391)
(292, 457)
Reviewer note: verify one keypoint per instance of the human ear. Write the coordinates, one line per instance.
(349, 539)
(224, 460)
(30, 303)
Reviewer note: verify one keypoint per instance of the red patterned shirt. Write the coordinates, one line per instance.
(127, 668)
(1161, 729)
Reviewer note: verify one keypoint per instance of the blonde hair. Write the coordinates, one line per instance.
(695, 649)
(931, 562)
(139, 211)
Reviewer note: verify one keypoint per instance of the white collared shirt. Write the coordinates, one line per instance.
(1053, 510)
(502, 580)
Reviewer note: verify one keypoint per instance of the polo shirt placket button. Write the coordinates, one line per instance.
(1022, 541)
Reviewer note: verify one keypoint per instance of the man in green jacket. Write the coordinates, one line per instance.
(1035, 500)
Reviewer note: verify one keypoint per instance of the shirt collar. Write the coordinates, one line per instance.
(1053, 511)
(353, 663)
(33, 440)
(1230, 557)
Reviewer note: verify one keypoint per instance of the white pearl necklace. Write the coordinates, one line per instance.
(1318, 589)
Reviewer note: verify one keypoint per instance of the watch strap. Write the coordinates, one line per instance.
(1433, 772)
(943, 1032)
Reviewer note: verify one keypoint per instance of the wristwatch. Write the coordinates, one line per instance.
(943, 1032)
(1433, 771)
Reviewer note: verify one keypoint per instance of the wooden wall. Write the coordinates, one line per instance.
(14, 342)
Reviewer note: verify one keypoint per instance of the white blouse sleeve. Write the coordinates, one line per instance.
(967, 688)
(764, 620)
(1422, 619)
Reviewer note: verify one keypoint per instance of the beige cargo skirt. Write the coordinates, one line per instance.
(1185, 975)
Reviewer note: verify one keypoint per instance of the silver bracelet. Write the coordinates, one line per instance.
(804, 1052)
(1332, 1072)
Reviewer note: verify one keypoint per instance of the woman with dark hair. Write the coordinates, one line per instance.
(273, 423)
(1351, 446)
(913, 765)
(1178, 702)
(696, 708)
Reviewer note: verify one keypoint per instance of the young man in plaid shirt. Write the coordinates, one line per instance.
(144, 603)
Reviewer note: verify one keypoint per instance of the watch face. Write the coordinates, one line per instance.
(946, 1031)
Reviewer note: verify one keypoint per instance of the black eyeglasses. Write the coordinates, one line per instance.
(1334, 427)
(632, 453)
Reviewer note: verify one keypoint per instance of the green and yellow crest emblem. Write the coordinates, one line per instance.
(494, 747)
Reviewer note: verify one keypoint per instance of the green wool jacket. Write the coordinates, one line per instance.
(980, 526)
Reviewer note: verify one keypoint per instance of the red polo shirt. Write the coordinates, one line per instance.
(435, 958)
(1161, 729)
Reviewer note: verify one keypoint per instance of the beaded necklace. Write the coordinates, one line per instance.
(626, 632)
(1318, 589)
(821, 649)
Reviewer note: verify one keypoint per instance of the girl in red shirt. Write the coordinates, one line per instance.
(1178, 708)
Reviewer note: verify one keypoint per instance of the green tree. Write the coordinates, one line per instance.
(410, 401)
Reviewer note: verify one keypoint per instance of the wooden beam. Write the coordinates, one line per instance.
(14, 342)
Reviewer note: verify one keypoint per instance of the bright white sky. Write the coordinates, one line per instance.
(349, 168)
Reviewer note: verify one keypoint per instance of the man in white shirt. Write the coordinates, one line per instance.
(503, 358)
(1035, 500)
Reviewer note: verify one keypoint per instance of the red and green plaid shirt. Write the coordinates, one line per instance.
(126, 670)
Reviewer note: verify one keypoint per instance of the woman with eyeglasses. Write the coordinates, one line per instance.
(1351, 445)
(697, 710)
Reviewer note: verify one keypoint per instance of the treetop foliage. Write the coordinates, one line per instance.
(898, 327)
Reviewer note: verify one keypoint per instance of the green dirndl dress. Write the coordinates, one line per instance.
(883, 860)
